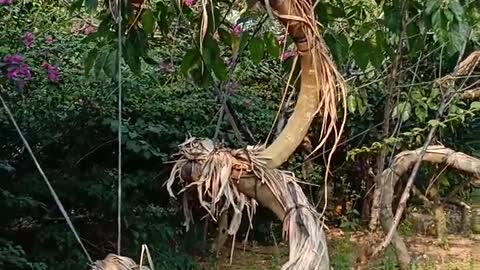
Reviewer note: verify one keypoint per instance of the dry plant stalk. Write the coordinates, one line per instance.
(216, 174)
(471, 94)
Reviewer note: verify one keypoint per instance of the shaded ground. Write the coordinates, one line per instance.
(456, 253)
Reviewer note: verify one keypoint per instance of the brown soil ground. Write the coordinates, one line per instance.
(457, 252)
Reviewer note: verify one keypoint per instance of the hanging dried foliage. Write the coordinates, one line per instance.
(216, 173)
(117, 262)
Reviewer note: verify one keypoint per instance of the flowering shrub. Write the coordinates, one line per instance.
(17, 70)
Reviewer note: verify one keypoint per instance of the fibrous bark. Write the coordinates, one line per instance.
(321, 84)
(402, 164)
(238, 179)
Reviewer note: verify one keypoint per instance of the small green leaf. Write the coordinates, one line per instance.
(111, 64)
(439, 21)
(375, 54)
(191, 57)
(403, 110)
(75, 6)
(256, 49)
(457, 37)
(434, 123)
(361, 53)
(421, 113)
(219, 68)
(352, 104)
(91, 5)
(392, 18)
(90, 60)
(416, 95)
(98, 66)
(475, 105)
(432, 6)
(362, 108)
(213, 62)
(435, 93)
(132, 56)
(456, 8)
(273, 49)
(148, 21)
(406, 112)
(338, 45)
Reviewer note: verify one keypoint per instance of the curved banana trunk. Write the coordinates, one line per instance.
(320, 81)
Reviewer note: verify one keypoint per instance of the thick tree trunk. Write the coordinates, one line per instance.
(402, 164)
(319, 81)
(299, 122)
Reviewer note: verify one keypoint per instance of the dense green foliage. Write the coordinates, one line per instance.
(67, 110)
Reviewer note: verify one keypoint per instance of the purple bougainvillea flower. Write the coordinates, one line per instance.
(13, 59)
(281, 39)
(49, 39)
(53, 73)
(12, 74)
(236, 30)
(189, 3)
(28, 39)
(17, 70)
(6, 2)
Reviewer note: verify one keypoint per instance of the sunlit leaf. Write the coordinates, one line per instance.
(271, 45)
(352, 103)
(362, 108)
(432, 6)
(256, 49)
(403, 110)
(475, 105)
(456, 8)
(148, 21)
(421, 113)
